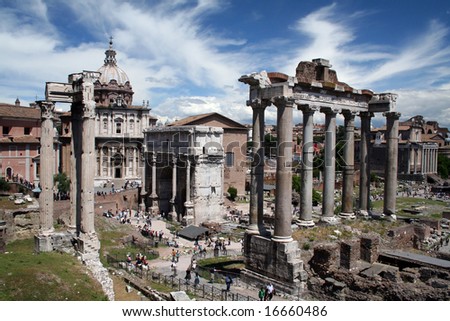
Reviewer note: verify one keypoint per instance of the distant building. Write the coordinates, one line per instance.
(418, 148)
(119, 126)
(235, 136)
(20, 143)
(184, 172)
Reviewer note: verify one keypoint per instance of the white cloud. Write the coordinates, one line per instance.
(173, 58)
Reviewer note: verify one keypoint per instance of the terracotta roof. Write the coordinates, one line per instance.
(20, 139)
(431, 137)
(12, 111)
(200, 119)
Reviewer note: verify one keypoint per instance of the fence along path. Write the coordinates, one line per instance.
(160, 270)
(208, 291)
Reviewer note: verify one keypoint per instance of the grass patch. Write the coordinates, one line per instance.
(26, 276)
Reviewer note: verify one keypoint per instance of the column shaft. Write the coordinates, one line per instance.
(307, 168)
(47, 157)
(154, 195)
(257, 169)
(283, 197)
(75, 171)
(88, 171)
(142, 157)
(349, 162)
(330, 164)
(173, 211)
(188, 181)
(364, 163)
(390, 181)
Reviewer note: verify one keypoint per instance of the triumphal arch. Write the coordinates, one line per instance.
(315, 88)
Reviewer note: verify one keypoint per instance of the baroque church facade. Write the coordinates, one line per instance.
(119, 127)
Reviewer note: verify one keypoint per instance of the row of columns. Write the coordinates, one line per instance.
(429, 159)
(153, 191)
(283, 213)
(110, 166)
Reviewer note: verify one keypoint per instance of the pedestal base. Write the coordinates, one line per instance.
(347, 216)
(54, 242)
(172, 216)
(187, 220)
(391, 218)
(303, 223)
(269, 261)
(43, 243)
(363, 213)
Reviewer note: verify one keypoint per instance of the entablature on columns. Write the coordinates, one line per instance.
(315, 88)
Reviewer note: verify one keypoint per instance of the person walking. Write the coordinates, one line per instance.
(187, 278)
(213, 275)
(174, 268)
(228, 282)
(196, 280)
(261, 294)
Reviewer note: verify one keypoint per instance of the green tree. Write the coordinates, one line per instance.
(296, 183)
(270, 145)
(232, 191)
(443, 166)
(4, 185)
(317, 197)
(62, 182)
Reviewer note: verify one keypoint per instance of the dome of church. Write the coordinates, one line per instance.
(110, 71)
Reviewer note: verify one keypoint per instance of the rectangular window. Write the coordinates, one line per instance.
(27, 130)
(229, 159)
(118, 128)
(6, 130)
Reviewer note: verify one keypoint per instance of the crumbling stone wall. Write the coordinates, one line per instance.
(369, 250)
(20, 223)
(402, 236)
(325, 259)
(350, 253)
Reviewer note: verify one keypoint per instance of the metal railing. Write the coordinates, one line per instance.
(206, 291)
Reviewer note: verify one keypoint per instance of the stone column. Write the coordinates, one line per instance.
(153, 195)
(436, 155)
(425, 158)
(415, 160)
(349, 165)
(364, 163)
(257, 168)
(143, 158)
(307, 168)
(173, 211)
(283, 197)
(390, 176)
(99, 163)
(330, 167)
(189, 206)
(88, 171)
(75, 170)
(47, 157)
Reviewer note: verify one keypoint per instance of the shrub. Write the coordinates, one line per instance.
(232, 192)
(4, 185)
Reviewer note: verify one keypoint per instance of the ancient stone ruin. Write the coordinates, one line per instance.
(314, 88)
(79, 92)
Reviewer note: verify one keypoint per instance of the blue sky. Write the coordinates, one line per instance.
(185, 57)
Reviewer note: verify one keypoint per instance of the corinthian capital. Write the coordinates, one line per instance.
(47, 109)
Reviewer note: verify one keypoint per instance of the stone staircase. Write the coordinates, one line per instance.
(88, 246)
